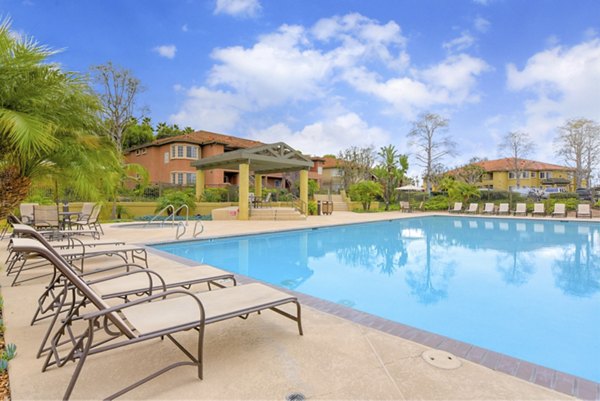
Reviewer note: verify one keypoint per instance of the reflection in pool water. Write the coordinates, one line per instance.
(525, 288)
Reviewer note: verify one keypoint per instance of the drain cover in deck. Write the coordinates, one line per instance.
(441, 359)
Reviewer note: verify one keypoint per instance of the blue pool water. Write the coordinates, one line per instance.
(529, 289)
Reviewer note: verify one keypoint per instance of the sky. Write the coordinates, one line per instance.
(324, 75)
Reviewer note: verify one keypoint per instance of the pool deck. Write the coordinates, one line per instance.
(343, 354)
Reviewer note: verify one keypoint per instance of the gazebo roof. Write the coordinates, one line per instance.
(272, 158)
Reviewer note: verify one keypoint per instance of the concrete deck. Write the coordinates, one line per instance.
(259, 358)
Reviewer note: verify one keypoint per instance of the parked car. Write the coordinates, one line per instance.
(584, 193)
(550, 191)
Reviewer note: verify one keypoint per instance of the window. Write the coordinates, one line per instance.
(525, 174)
(166, 158)
(320, 170)
(191, 152)
(511, 175)
(533, 174)
(190, 178)
(179, 178)
(277, 183)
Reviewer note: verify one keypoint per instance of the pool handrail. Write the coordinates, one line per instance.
(157, 215)
(187, 213)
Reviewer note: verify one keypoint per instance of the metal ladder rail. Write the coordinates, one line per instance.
(180, 234)
(196, 233)
(187, 214)
(157, 215)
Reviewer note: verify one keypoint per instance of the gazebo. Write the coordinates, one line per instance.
(266, 159)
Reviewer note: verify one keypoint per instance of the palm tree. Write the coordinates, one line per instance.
(48, 124)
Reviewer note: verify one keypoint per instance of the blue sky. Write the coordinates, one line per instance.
(323, 75)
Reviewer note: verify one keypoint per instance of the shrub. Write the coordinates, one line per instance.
(570, 203)
(439, 202)
(177, 199)
(564, 195)
(365, 192)
(215, 195)
(312, 208)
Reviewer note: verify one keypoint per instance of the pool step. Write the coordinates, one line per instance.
(276, 213)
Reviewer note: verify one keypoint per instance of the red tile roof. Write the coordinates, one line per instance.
(330, 162)
(204, 138)
(506, 164)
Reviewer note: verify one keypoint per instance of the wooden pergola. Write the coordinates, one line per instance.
(266, 159)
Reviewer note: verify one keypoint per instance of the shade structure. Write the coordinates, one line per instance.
(409, 187)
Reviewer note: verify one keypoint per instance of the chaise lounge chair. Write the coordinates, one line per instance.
(488, 208)
(472, 209)
(90, 220)
(583, 210)
(503, 208)
(538, 209)
(457, 208)
(405, 206)
(559, 210)
(170, 312)
(520, 209)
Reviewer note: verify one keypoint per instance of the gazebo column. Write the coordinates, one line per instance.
(304, 190)
(244, 175)
(200, 182)
(258, 185)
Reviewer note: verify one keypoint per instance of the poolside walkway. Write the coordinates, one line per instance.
(259, 358)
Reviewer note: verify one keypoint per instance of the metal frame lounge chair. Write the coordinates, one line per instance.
(503, 208)
(457, 208)
(473, 208)
(583, 210)
(538, 209)
(405, 206)
(488, 208)
(520, 208)
(560, 209)
(75, 254)
(91, 220)
(112, 327)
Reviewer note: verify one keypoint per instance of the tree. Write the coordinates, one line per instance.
(471, 173)
(138, 134)
(365, 192)
(48, 124)
(428, 136)
(119, 89)
(390, 172)
(517, 145)
(355, 164)
(578, 144)
(163, 130)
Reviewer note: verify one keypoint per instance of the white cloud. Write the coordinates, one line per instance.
(463, 42)
(212, 110)
(563, 82)
(238, 8)
(483, 2)
(481, 24)
(167, 51)
(185, 28)
(328, 136)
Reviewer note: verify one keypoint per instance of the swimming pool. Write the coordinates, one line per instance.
(529, 289)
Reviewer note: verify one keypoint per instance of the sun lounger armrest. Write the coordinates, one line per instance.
(105, 269)
(129, 304)
(148, 272)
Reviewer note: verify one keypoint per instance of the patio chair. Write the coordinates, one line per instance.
(560, 209)
(538, 209)
(457, 208)
(583, 210)
(520, 209)
(473, 208)
(90, 221)
(174, 311)
(86, 210)
(488, 208)
(503, 208)
(46, 216)
(26, 211)
(405, 206)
